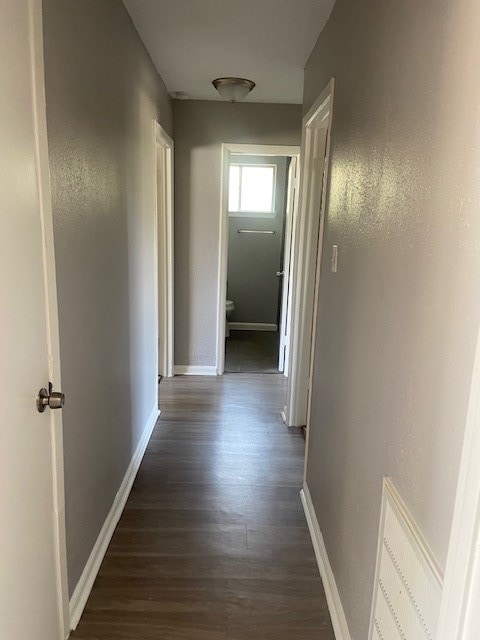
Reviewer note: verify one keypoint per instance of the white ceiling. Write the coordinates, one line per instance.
(191, 42)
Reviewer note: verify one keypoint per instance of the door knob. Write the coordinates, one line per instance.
(50, 398)
(280, 273)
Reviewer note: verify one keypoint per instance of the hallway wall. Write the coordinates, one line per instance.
(102, 95)
(397, 324)
(200, 127)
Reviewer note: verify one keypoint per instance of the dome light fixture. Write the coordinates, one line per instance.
(233, 89)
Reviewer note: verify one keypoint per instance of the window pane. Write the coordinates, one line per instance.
(234, 189)
(257, 188)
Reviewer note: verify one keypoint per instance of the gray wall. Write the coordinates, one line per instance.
(199, 129)
(253, 260)
(397, 323)
(102, 94)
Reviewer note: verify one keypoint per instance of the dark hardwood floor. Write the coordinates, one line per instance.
(213, 543)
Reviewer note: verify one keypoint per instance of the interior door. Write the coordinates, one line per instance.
(31, 607)
(287, 262)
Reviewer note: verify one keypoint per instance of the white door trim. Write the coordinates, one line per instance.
(459, 613)
(286, 308)
(53, 339)
(307, 250)
(164, 247)
(334, 602)
(227, 149)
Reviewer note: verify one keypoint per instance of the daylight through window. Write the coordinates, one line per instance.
(251, 188)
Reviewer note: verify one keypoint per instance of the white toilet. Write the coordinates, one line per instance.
(229, 309)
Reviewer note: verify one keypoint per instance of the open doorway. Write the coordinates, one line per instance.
(257, 211)
(307, 256)
(164, 181)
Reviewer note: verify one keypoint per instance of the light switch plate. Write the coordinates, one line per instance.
(334, 260)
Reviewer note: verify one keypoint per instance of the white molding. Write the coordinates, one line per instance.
(194, 370)
(222, 261)
(307, 250)
(291, 212)
(462, 572)
(263, 149)
(161, 137)
(253, 326)
(334, 602)
(415, 543)
(227, 149)
(164, 212)
(82, 590)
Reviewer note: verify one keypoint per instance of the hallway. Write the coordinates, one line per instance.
(213, 543)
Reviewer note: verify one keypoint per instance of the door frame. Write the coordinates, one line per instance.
(308, 247)
(164, 149)
(459, 617)
(51, 306)
(227, 149)
(286, 306)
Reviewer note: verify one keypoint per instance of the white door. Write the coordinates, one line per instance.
(287, 262)
(31, 564)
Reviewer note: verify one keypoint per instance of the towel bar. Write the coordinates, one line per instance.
(270, 233)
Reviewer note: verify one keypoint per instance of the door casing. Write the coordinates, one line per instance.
(286, 306)
(164, 149)
(459, 616)
(227, 149)
(307, 252)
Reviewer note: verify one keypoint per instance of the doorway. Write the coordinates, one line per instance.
(164, 181)
(307, 255)
(258, 201)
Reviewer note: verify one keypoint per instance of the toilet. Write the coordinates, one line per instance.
(229, 308)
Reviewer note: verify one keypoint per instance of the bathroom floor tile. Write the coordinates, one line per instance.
(252, 351)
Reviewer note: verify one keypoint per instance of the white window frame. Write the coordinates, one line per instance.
(253, 212)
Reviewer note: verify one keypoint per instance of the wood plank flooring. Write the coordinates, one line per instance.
(213, 543)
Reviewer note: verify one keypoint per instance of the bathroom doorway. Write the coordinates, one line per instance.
(257, 210)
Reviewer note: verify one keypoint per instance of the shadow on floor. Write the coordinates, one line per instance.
(252, 352)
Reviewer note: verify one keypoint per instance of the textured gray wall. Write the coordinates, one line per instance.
(200, 127)
(253, 260)
(102, 94)
(397, 323)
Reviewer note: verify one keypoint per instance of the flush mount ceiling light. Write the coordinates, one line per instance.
(233, 89)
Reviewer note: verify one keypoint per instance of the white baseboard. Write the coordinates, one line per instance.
(252, 326)
(334, 602)
(85, 584)
(194, 370)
